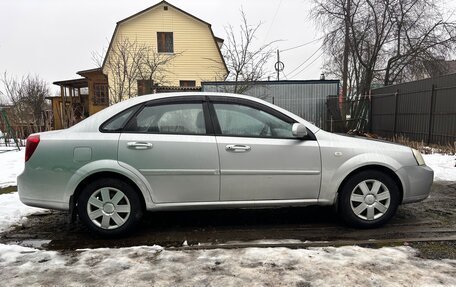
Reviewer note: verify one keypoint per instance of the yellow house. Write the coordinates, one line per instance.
(179, 49)
(163, 48)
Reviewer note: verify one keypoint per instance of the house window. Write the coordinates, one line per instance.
(187, 83)
(165, 42)
(100, 94)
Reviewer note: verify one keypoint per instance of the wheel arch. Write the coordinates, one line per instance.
(97, 169)
(105, 174)
(379, 168)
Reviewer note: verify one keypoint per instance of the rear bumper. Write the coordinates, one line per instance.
(37, 189)
(417, 182)
(43, 203)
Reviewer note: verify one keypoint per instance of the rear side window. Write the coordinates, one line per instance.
(117, 122)
(169, 119)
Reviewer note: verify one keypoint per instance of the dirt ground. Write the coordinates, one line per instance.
(429, 226)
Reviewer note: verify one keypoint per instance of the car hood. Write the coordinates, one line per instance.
(364, 142)
(369, 149)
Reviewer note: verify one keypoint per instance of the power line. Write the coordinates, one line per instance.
(305, 61)
(303, 69)
(302, 45)
(273, 19)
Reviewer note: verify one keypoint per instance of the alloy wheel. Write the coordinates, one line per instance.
(108, 208)
(370, 199)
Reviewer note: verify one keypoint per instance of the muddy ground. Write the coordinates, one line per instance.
(429, 226)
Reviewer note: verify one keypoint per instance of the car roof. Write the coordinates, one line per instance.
(93, 122)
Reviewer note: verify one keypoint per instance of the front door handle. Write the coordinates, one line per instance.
(139, 145)
(237, 148)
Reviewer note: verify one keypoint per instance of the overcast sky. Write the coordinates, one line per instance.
(55, 38)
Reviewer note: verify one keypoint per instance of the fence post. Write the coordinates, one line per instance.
(331, 123)
(431, 113)
(371, 100)
(396, 96)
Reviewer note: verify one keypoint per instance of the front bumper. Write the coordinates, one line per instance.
(416, 181)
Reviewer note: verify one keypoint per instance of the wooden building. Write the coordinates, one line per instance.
(79, 98)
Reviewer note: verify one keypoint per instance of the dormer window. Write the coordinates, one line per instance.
(165, 42)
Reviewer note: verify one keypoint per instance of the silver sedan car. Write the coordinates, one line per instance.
(212, 150)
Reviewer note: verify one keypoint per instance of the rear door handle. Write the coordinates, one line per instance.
(139, 145)
(237, 148)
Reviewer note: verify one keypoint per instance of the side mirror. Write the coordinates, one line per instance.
(299, 130)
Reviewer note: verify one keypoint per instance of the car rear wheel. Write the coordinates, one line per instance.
(109, 207)
(368, 199)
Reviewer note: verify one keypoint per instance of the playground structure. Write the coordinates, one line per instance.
(8, 133)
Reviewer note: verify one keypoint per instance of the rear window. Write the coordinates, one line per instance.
(117, 122)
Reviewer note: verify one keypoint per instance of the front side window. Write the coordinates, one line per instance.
(169, 119)
(165, 42)
(241, 120)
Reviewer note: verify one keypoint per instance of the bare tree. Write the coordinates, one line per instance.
(129, 61)
(245, 59)
(98, 57)
(422, 36)
(28, 99)
(388, 39)
(154, 66)
(12, 92)
(35, 91)
(123, 64)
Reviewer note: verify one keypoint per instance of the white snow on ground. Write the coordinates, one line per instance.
(13, 211)
(443, 166)
(11, 165)
(147, 266)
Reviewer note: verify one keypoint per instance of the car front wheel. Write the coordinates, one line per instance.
(109, 207)
(368, 199)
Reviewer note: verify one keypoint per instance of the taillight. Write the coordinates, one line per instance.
(31, 145)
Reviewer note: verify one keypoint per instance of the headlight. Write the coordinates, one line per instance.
(418, 157)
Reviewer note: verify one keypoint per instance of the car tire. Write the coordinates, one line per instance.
(368, 199)
(109, 207)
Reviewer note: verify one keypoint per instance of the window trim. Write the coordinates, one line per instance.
(172, 101)
(210, 117)
(254, 105)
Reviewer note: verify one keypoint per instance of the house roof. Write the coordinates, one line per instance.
(158, 4)
(219, 39)
(216, 39)
(95, 70)
(74, 83)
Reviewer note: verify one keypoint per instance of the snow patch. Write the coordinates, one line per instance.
(443, 166)
(153, 265)
(11, 165)
(14, 212)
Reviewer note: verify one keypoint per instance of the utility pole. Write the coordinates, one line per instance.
(345, 63)
(279, 66)
(278, 61)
